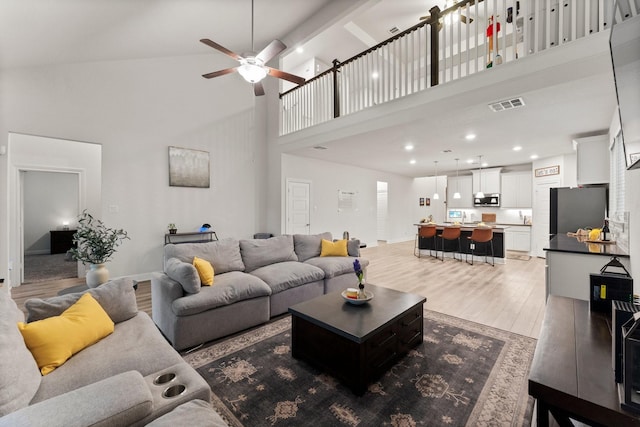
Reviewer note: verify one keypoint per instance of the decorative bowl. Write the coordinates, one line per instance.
(369, 297)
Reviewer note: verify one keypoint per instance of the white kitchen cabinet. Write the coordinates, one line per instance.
(462, 184)
(516, 190)
(592, 159)
(517, 238)
(490, 181)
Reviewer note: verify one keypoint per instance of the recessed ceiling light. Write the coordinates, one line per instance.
(299, 49)
(470, 136)
(533, 156)
(470, 161)
(412, 161)
(408, 147)
(485, 164)
(375, 75)
(517, 148)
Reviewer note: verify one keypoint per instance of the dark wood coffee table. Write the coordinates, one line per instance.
(357, 343)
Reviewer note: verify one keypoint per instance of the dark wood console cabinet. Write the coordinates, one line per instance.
(61, 240)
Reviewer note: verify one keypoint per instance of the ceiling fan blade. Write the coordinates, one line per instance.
(221, 49)
(220, 73)
(258, 89)
(274, 48)
(286, 76)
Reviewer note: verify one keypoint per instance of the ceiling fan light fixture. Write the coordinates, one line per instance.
(251, 71)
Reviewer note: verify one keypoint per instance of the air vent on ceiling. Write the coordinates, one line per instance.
(393, 30)
(507, 104)
(319, 147)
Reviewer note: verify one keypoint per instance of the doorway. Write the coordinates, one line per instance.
(50, 206)
(298, 212)
(383, 210)
(30, 153)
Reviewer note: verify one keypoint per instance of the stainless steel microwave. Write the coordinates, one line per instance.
(487, 200)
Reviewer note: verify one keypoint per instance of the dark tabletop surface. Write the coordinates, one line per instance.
(356, 322)
(564, 243)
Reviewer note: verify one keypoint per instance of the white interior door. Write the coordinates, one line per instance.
(298, 207)
(541, 214)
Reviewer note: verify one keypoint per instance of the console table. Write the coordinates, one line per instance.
(195, 237)
(571, 376)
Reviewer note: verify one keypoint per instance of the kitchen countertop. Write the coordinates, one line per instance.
(467, 227)
(564, 243)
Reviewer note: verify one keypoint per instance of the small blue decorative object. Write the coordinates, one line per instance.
(205, 227)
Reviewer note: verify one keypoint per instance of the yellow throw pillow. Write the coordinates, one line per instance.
(54, 340)
(338, 248)
(205, 270)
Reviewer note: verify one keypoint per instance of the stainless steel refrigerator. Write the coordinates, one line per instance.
(574, 208)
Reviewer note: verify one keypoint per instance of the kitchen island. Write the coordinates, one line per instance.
(571, 260)
(465, 231)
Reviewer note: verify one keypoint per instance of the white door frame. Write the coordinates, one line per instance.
(290, 181)
(20, 170)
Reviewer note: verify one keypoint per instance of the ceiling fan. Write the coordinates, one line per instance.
(252, 67)
(450, 16)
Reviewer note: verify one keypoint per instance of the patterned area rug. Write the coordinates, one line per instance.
(462, 374)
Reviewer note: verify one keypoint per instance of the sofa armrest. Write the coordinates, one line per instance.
(119, 400)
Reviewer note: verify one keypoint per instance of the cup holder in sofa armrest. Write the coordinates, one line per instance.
(174, 390)
(164, 378)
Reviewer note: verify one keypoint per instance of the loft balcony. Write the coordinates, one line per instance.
(471, 38)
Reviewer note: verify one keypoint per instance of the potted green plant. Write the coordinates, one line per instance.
(95, 243)
(172, 228)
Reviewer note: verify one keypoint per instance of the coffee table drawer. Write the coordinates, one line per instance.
(410, 329)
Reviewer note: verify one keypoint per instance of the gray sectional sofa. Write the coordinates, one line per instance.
(110, 383)
(254, 280)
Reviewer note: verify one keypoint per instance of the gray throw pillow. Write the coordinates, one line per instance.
(117, 298)
(183, 273)
(19, 374)
(309, 246)
(353, 247)
(257, 253)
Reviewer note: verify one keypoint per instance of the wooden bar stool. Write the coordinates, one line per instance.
(481, 235)
(425, 232)
(450, 233)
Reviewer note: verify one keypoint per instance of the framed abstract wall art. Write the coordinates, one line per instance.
(188, 168)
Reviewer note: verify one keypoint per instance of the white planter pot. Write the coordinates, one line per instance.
(97, 275)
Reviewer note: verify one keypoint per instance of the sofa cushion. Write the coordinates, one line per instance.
(19, 374)
(290, 274)
(117, 298)
(335, 266)
(183, 273)
(134, 345)
(193, 413)
(224, 255)
(309, 246)
(54, 340)
(353, 247)
(230, 288)
(257, 253)
(205, 270)
(337, 248)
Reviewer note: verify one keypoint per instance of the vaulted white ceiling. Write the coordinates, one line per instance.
(564, 100)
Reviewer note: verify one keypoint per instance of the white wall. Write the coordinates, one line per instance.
(425, 187)
(50, 198)
(135, 110)
(327, 178)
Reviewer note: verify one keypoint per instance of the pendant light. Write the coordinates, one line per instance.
(456, 195)
(480, 193)
(436, 196)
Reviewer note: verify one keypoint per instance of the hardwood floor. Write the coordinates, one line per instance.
(509, 296)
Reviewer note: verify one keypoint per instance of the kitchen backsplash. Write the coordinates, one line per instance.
(503, 216)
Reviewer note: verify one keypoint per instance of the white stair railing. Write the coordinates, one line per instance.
(469, 37)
